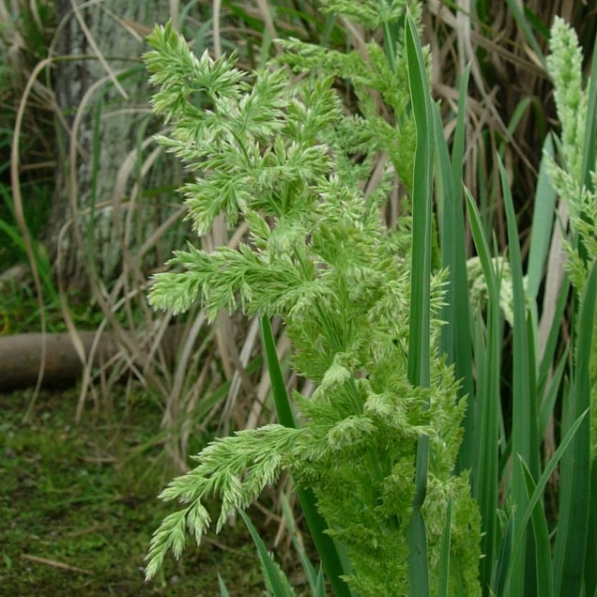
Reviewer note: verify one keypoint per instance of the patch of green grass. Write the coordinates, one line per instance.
(19, 312)
(84, 497)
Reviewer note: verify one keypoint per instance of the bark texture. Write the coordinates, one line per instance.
(101, 204)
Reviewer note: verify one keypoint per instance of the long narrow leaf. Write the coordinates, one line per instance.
(569, 555)
(328, 552)
(550, 467)
(223, 590)
(281, 400)
(525, 27)
(525, 443)
(543, 217)
(305, 561)
(554, 334)
(499, 579)
(549, 401)
(485, 474)
(589, 150)
(419, 324)
(543, 568)
(456, 333)
(277, 581)
(591, 548)
(540, 486)
(463, 358)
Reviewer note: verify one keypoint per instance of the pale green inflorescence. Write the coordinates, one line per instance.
(279, 154)
(565, 69)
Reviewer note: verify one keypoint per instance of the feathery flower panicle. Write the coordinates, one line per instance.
(279, 156)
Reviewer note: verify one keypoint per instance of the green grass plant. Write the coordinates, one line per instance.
(515, 541)
(306, 260)
(316, 523)
(405, 248)
(384, 407)
(419, 333)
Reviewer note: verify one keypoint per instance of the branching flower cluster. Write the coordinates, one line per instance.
(282, 156)
(574, 180)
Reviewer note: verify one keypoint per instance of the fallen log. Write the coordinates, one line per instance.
(21, 357)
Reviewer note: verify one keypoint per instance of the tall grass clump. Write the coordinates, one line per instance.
(527, 549)
(280, 154)
(574, 178)
(24, 36)
(419, 458)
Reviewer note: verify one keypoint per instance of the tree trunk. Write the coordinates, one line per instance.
(21, 356)
(101, 207)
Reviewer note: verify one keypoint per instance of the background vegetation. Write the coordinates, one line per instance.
(89, 211)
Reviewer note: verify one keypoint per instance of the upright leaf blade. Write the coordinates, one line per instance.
(419, 325)
(525, 443)
(543, 567)
(537, 493)
(223, 589)
(326, 547)
(485, 474)
(277, 581)
(575, 487)
(282, 402)
(523, 23)
(456, 340)
(312, 575)
(543, 217)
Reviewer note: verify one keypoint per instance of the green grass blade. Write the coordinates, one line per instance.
(320, 585)
(277, 580)
(554, 334)
(223, 590)
(330, 23)
(544, 570)
(316, 580)
(460, 131)
(550, 467)
(541, 484)
(308, 567)
(485, 474)
(571, 539)
(524, 430)
(543, 217)
(589, 151)
(499, 580)
(549, 401)
(417, 536)
(419, 337)
(525, 441)
(283, 407)
(591, 571)
(456, 333)
(333, 563)
(446, 200)
(419, 325)
(328, 552)
(522, 22)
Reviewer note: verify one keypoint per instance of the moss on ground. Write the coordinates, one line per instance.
(78, 506)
